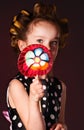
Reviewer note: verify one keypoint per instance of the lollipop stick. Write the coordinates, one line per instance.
(37, 77)
(40, 106)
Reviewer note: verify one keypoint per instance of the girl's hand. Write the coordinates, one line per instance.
(58, 126)
(36, 89)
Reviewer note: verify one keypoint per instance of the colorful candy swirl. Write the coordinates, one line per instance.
(35, 60)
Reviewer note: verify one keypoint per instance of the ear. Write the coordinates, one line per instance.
(21, 44)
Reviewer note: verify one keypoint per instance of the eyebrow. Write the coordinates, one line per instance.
(57, 38)
(44, 37)
(39, 36)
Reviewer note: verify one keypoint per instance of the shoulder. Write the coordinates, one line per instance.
(63, 94)
(58, 84)
(15, 86)
(61, 85)
(15, 92)
(16, 82)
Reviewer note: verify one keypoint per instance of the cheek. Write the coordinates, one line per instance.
(54, 53)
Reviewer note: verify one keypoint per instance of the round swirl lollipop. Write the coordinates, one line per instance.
(35, 60)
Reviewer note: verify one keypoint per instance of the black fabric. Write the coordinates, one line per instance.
(50, 103)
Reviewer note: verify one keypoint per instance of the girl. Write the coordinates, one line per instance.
(23, 94)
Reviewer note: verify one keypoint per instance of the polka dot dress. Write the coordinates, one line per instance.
(50, 103)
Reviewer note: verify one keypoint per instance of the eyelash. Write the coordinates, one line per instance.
(40, 40)
(54, 43)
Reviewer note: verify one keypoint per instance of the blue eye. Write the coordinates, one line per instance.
(54, 44)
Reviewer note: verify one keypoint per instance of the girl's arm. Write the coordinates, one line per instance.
(27, 108)
(61, 122)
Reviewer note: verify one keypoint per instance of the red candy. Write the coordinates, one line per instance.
(34, 60)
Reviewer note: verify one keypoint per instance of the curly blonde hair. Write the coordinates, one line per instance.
(40, 12)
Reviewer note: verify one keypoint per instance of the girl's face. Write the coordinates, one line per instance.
(46, 34)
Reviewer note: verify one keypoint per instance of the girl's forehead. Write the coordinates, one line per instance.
(48, 26)
(44, 22)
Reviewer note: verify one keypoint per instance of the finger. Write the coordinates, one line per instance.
(58, 127)
(36, 82)
(53, 127)
(62, 128)
(44, 87)
(37, 77)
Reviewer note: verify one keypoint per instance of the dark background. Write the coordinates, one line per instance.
(69, 63)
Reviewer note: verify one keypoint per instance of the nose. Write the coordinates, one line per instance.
(47, 44)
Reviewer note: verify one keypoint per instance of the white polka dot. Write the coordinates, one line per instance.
(44, 87)
(50, 83)
(47, 110)
(19, 124)
(48, 94)
(60, 99)
(44, 98)
(59, 87)
(52, 79)
(55, 108)
(49, 124)
(52, 116)
(26, 77)
(55, 94)
(14, 117)
(51, 94)
(20, 79)
(25, 84)
(44, 106)
(17, 76)
(53, 101)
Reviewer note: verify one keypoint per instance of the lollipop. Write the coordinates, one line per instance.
(35, 60)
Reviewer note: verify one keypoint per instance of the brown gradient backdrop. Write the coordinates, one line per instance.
(69, 64)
